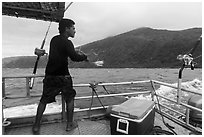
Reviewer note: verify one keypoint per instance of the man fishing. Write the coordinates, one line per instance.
(57, 77)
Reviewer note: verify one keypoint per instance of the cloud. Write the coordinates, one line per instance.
(99, 20)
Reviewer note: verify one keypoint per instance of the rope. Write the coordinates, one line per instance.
(166, 124)
(155, 129)
(93, 87)
(105, 89)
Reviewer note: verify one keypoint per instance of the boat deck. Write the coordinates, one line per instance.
(87, 127)
(52, 124)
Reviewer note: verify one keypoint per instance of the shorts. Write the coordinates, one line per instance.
(53, 85)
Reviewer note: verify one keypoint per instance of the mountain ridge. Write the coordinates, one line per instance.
(139, 48)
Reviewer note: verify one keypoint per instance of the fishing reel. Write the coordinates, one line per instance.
(39, 52)
(187, 59)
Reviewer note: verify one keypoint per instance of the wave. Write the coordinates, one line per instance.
(194, 85)
(171, 93)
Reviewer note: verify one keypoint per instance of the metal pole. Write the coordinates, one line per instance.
(153, 92)
(187, 115)
(179, 84)
(3, 87)
(27, 87)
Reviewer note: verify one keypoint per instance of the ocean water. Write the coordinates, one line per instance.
(191, 79)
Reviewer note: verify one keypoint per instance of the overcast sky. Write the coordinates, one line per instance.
(98, 20)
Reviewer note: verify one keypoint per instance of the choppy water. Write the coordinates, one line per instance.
(192, 80)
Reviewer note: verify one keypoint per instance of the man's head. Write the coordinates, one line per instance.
(66, 27)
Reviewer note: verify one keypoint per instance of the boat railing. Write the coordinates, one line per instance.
(185, 123)
(152, 92)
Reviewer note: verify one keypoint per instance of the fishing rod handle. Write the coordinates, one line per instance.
(36, 64)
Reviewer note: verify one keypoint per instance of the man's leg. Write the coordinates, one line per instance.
(70, 113)
(40, 111)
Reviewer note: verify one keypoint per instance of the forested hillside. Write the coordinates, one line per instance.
(139, 48)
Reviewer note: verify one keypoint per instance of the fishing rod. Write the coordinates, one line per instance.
(68, 6)
(187, 60)
(40, 52)
(38, 57)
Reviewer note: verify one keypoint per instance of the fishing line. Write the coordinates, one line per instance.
(194, 48)
(196, 45)
(98, 63)
(187, 58)
(197, 57)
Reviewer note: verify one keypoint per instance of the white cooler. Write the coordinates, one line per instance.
(133, 117)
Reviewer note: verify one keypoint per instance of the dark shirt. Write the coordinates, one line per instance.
(60, 49)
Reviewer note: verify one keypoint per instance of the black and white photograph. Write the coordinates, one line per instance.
(110, 67)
